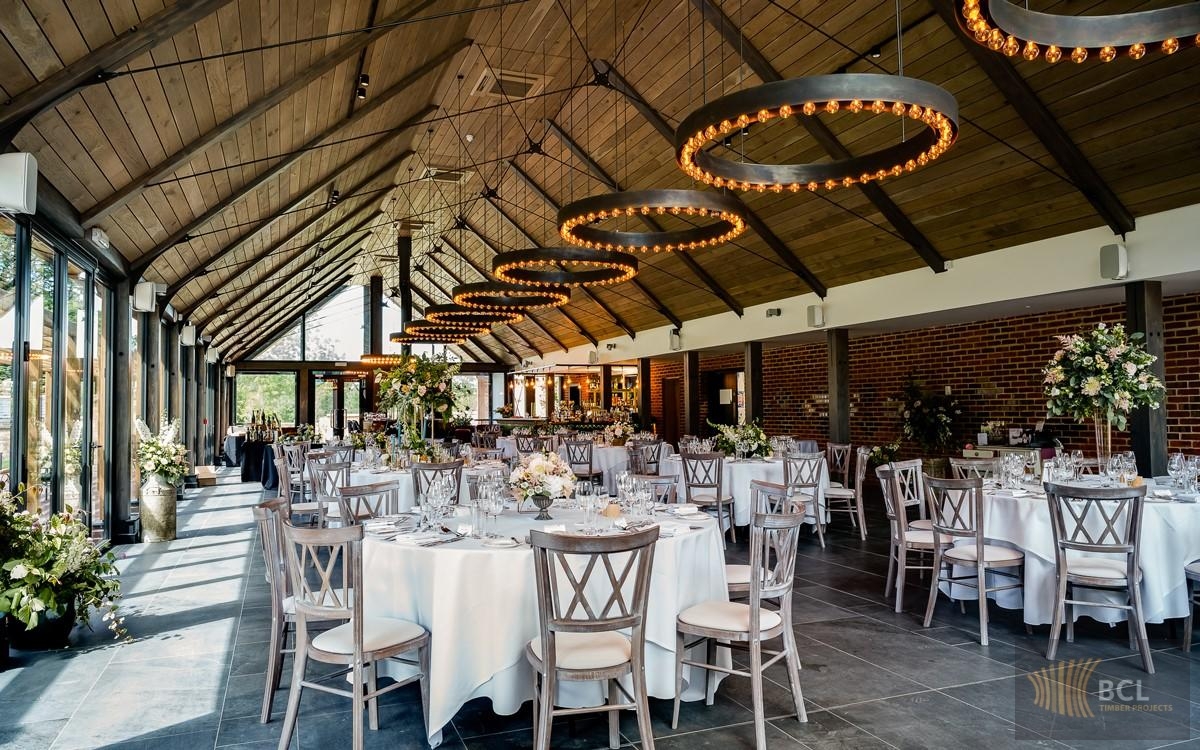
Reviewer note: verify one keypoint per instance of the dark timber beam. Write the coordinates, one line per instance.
(582, 290)
(822, 135)
(230, 126)
(95, 66)
(496, 251)
(365, 215)
(793, 263)
(650, 222)
(387, 169)
(457, 279)
(1022, 98)
(183, 234)
(537, 190)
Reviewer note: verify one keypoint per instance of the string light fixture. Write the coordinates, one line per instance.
(429, 338)
(564, 266)
(382, 360)
(470, 317)
(579, 222)
(499, 295)
(421, 327)
(868, 94)
(1013, 30)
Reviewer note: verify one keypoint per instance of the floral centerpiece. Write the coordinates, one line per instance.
(416, 387)
(52, 572)
(927, 418)
(363, 440)
(747, 436)
(522, 431)
(506, 410)
(1102, 375)
(162, 455)
(542, 477)
(883, 454)
(617, 433)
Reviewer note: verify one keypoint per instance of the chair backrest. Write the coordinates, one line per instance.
(956, 509)
(651, 454)
(636, 458)
(528, 444)
(489, 454)
(326, 478)
(579, 456)
(774, 499)
(287, 481)
(325, 568)
(296, 456)
(862, 460)
(364, 501)
(837, 460)
(984, 468)
(320, 457)
(343, 453)
(592, 585)
(889, 484)
(484, 440)
(773, 542)
(911, 490)
(664, 487)
(424, 475)
(803, 471)
(703, 472)
(269, 516)
(1104, 520)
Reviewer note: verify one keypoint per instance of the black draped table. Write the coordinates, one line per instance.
(233, 449)
(252, 460)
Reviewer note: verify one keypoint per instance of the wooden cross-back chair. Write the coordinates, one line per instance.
(424, 474)
(269, 516)
(703, 475)
(964, 468)
(580, 459)
(837, 459)
(366, 501)
(804, 474)
(770, 498)
(904, 540)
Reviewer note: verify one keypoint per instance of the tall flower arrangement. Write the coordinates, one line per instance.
(927, 418)
(162, 454)
(750, 435)
(415, 387)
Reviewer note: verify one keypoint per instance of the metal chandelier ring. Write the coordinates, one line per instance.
(457, 315)
(421, 327)
(579, 221)
(498, 295)
(564, 266)
(870, 93)
(1011, 29)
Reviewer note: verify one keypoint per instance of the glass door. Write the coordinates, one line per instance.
(337, 403)
(39, 381)
(76, 377)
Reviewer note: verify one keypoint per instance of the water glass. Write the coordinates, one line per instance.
(1176, 468)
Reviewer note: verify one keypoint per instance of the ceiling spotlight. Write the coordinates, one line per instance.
(360, 92)
(334, 196)
(470, 138)
(364, 80)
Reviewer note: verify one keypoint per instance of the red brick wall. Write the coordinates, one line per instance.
(993, 367)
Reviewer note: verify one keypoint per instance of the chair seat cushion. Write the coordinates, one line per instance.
(840, 492)
(737, 574)
(923, 538)
(587, 650)
(1097, 567)
(732, 616)
(835, 485)
(921, 523)
(378, 633)
(1192, 570)
(992, 553)
(709, 499)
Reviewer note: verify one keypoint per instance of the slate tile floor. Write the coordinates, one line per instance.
(872, 678)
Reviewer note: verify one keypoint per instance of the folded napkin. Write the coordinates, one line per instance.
(1162, 493)
(1020, 493)
(555, 528)
(685, 509)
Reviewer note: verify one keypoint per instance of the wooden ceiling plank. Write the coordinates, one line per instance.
(537, 190)
(247, 115)
(92, 67)
(1038, 118)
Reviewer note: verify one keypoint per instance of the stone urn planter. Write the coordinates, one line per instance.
(159, 500)
(939, 467)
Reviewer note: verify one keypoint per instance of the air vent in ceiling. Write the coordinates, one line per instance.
(411, 225)
(448, 176)
(498, 84)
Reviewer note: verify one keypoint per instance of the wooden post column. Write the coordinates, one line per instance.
(753, 375)
(644, 392)
(606, 386)
(691, 393)
(152, 356)
(838, 344)
(374, 321)
(121, 415)
(1148, 427)
(404, 283)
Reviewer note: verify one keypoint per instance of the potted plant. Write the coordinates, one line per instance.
(928, 420)
(52, 576)
(1101, 375)
(163, 463)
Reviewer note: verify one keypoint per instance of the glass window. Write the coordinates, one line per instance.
(334, 331)
(100, 401)
(471, 397)
(75, 398)
(8, 327)
(39, 388)
(284, 348)
(136, 398)
(272, 392)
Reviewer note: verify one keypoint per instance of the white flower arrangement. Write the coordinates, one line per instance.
(750, 435)
(542, 474)
(1103, 373)
(618, 431)
(161, 454)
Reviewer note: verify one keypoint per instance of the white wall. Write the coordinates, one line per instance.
(1164, 245)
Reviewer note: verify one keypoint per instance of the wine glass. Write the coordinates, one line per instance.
(1176, 467)
(1112, 470)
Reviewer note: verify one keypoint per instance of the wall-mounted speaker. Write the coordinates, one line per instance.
(676, 341)
(145, 295)
(230, 371)
(816, 316)
(187, 336)
(1114, 262)
(18, 183)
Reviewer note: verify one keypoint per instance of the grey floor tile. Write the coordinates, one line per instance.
(37, 735)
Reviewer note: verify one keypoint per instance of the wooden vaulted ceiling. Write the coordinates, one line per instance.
(215, 177)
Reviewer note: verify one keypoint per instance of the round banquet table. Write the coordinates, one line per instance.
(1170, 540)
(361, 476)
(612, 460)
(735, 482)
(480, 606)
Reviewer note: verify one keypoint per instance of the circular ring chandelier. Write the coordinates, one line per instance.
(446, 337)
(578, 222)
(869, 93)
(382, 360)
(421, 327)
(564, 266)
(499, 295)
(470, 317)
(1013, 30)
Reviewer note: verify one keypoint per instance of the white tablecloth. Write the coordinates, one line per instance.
(736, 479)
(612, 460)
(1170, 540)
(480, 605)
